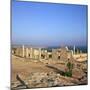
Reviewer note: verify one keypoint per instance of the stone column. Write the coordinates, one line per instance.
(46, 54)
(27, 52)
(71, 52)
(31, 53)
(23, 51)
(39, 53)
(74, 49)
(54, 54)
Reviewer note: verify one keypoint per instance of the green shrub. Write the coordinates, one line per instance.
(69, 72)
(70, 66)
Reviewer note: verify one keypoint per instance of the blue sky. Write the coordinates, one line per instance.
(49, 24)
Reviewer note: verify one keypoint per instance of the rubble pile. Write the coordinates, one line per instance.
(51, 79)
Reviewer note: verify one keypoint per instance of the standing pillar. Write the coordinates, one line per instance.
(23, 51)
(27, 52)
(31, 53)
(39, 53)
(71, 52)
(54, 54)
(46, 54)
(74, 49)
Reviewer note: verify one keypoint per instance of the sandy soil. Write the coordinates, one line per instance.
(24, 67)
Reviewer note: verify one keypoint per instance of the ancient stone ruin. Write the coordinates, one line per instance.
(67, 71)
(38, 53)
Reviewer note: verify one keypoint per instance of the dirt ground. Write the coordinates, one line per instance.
(33, 72)
(24, 67)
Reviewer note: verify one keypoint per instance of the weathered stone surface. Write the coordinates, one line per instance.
(50, 79)
(77, 73)
(56, 61)
(15, 84)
